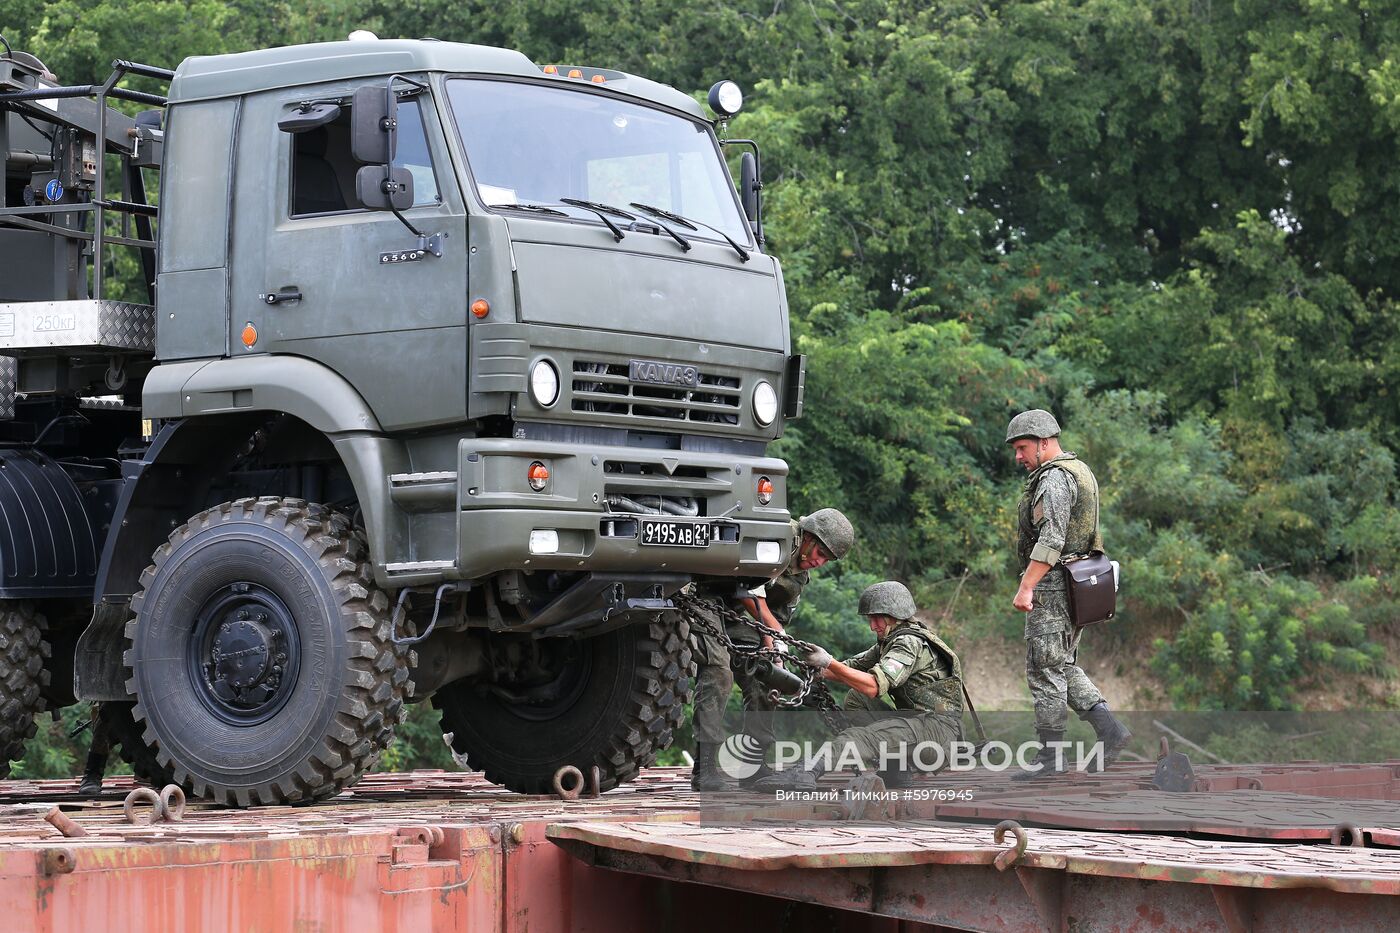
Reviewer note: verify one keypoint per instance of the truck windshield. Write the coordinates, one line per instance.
(533, 144)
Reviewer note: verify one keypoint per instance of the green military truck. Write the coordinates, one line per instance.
(441, 374)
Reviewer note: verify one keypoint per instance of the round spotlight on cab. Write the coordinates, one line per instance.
(544, 383)
(765, 404)
(726, 99)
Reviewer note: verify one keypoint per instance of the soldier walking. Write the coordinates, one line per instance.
(824, 536)
(910, 669)
(1057, 518)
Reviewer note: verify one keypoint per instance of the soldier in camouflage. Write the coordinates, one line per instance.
(824, 536)
(1057, 519)
(909, 669)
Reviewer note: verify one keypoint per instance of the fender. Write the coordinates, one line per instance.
(293, 385)
(48, 536)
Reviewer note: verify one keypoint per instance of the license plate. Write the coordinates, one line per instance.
(675, 534)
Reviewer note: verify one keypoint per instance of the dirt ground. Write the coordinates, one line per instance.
(995, 673)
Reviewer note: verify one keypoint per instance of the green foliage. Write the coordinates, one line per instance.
(1172, 223)
(418, 743)
(1253, 640)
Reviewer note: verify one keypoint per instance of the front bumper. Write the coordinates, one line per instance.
(497, 510)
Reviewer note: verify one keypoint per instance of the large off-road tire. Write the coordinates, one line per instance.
(24, 673)
(125, 734)
(632, 687)
(260, 654)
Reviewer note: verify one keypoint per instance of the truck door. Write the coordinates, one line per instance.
(340, 291)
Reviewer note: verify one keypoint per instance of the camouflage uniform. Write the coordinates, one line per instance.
(915, 672)
(717, 670)
(1057, 515)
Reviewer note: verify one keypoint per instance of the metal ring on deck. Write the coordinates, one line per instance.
(172, 803)
(568, 793)
(139, 795)
(1352, 833)
(1009, 857)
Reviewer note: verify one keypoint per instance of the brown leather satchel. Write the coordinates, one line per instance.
(1093, 589)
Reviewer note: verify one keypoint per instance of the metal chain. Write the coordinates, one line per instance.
(812, 684)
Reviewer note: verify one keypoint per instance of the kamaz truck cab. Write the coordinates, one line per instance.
(455, 369)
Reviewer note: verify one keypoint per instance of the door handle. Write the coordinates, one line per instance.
(285, 294)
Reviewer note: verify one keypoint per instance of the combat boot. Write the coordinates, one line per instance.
(1113, 735)
(1048, 757)
(706, 776)
(96, 767)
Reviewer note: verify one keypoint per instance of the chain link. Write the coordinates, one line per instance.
(813, 687)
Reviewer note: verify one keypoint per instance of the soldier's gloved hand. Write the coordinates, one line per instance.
(818, 657)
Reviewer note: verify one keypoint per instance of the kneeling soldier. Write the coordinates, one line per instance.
(824, 536)
(909, 669)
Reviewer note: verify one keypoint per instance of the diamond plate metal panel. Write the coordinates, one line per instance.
(32, 328)
(9, 376)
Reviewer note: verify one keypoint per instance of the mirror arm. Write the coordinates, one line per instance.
(752, 145)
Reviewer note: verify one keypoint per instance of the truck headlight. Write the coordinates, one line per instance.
(544, 383)
(765, 403)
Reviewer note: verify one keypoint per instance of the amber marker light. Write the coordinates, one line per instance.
(538, 475)
(598, 79)
(551, 69)
(575, 73)
(765, 490)
(481, 307)
(250, 335)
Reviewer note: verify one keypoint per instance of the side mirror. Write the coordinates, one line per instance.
(305, 117)
(748, 185)
(382, 188)
(374, 121)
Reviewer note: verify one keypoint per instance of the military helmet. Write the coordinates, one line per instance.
(890, 598)
(1036, 423)
(832, 529)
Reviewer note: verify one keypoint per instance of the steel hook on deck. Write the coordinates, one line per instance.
(574, 789)
(1348, 834)
(1005, 859)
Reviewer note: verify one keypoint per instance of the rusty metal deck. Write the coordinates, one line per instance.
(949, 875)
(448, 851)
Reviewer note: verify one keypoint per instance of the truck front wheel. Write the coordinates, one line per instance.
(23, 675)
(260, 654)
(617, 699)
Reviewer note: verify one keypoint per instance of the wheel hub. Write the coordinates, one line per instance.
(243, 653)
(245, 648)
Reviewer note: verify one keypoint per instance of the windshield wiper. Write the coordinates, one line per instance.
(692, 225)
(602, 210)
(533, 208)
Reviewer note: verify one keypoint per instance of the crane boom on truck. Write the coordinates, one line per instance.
(434, 375)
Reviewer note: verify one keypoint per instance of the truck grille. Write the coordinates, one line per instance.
(603, 388)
